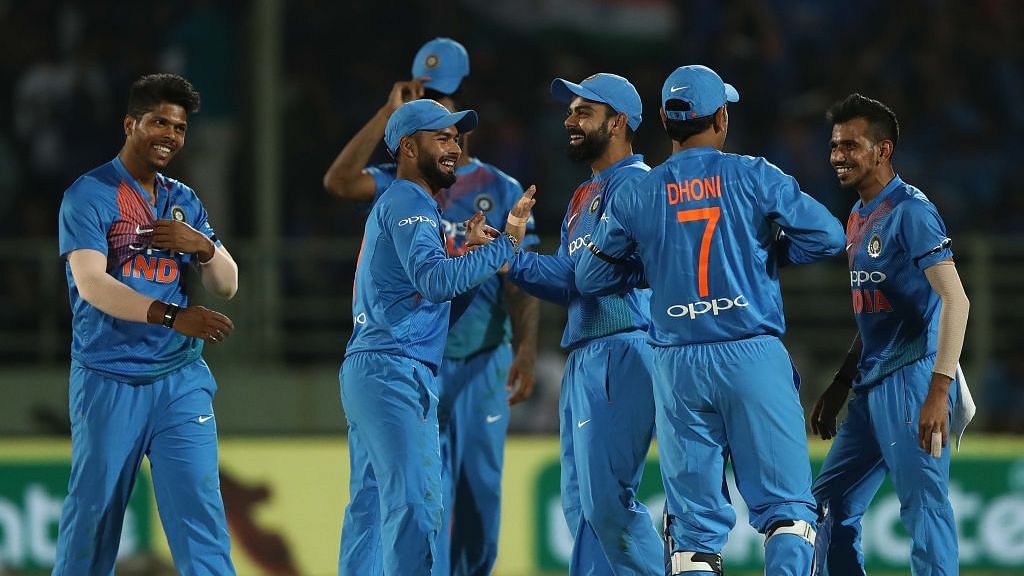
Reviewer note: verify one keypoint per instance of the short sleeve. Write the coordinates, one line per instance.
(81, 222)
(922, 233)
(201, 220)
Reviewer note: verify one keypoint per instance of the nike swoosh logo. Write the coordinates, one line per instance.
(204, 419)
(571, 218)
(583, 423)
(139, 230)
(675, 89)
(492, 418)
(848, 246)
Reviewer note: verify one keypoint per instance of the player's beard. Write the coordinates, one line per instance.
(436, 177)
(593, 145)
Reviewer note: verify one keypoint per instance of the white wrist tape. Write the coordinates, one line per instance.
(517, 221)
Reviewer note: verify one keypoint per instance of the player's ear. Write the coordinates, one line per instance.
(664, 119)
(618, 121)
(407, 147)
(720, 119)
(129, 124)
(885, 149)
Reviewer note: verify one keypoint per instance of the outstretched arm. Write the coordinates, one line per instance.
(610, 263)
(809, 231)
(346, 177)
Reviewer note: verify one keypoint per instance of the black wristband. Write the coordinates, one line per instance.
(170, 313)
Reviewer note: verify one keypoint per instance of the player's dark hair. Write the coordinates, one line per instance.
(152, 90)
(682, 130)
(882, 123)
(436, 96)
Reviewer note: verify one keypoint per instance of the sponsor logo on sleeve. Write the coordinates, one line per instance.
(416, 220)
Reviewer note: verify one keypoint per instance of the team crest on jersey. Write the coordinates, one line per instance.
(484, 203)
(595, 203)
(432, 61)
(875, 246)
(178, 213)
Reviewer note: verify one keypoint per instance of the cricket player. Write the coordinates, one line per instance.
(606, 406)
(705, 226)
(400, 310)
(911, 310)
(480, 367)
(139, 385)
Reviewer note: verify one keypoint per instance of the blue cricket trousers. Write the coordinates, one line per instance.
(113, 425)
(878, 436)
(606, 423)
(733, 400)
(395, 502)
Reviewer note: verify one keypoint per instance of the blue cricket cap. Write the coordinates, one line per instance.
(424, 114)
(698, 86)
(445, 61)
(610, 89)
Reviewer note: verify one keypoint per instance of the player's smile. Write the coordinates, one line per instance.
(576, 136)
(164, 151)
(156, 137)
(844, 171)
(448, 161)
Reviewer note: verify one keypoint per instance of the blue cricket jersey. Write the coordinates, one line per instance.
(551, 277)
(890, 242)
(704, 224)
(108, 211)
(479, 186)
(405, 278)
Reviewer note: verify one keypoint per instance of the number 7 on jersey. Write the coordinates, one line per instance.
(711, 215)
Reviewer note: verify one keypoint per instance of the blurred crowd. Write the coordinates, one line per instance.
(952, 71)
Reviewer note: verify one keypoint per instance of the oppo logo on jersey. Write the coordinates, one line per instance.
(416, 220)
(858, 277)
(581, 242)
(162, 270)
(694, 309)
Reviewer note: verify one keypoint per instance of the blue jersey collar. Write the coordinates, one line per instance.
(698, 151)
(893, 184)
(632, 158)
